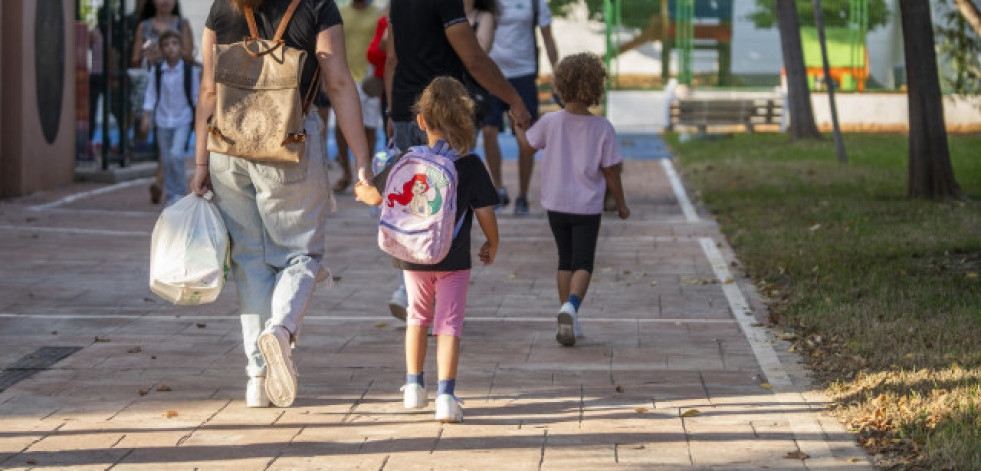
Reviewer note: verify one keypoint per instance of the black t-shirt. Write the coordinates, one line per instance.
(310, 18)
(474, 190)
(422, 49)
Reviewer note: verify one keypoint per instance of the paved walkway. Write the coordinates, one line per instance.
(674, 373)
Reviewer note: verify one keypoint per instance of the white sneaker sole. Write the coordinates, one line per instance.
(280, 380)
(566, 335)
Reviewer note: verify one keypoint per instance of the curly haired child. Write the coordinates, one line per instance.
(580, 159)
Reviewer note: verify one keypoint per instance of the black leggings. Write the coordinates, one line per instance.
(575, 237)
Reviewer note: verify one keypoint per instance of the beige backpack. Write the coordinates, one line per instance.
(259, 113)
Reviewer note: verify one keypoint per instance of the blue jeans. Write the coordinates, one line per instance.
(171, 142)
(275, 215)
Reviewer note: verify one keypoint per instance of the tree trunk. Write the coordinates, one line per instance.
(930, 172)
(970, 13)
(799, 96)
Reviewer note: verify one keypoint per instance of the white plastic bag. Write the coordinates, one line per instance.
(189, 252)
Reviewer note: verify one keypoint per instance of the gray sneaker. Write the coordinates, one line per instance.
(521, 206)
(274, 343)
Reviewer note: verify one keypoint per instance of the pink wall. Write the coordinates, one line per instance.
(28, 120)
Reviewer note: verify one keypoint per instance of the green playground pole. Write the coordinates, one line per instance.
(684, 38)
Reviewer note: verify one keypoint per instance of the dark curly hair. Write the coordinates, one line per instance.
(448, 110)
(579, 78)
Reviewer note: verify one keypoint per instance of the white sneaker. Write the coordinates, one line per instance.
(255, 393)
(414, 396)
(567, 325)
(448, 409)
(398, 303)
(274, 343)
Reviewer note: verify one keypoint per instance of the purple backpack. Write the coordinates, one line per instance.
(419, 205)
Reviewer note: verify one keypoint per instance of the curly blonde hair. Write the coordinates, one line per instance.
(579, 79)
(447, 109)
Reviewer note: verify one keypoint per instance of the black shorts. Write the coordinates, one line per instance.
(575, 236)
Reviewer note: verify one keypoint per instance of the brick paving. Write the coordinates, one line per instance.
(661, 342)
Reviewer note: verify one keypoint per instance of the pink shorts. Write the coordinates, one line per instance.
(437, 298)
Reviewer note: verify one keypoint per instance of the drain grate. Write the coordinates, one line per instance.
(32, 364)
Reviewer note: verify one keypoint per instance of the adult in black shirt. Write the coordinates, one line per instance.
(429, 38)
(275, 212)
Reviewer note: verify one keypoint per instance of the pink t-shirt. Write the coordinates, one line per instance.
(576, 148)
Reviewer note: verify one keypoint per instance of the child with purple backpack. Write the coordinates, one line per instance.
(431, 197)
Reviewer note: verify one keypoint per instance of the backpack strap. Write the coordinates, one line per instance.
(459, 224)
(188, 71)
(278, 37)
(157, 72)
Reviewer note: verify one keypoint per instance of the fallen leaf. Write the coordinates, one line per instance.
(814, 227)
(31, 462)
(54, 332)
(653, 282)
(101, 339)
(640, 410)
(792, 349)
(766, 385)
(153, 357)
(619, 388)
(797, 455)
(854, 460)
(336, 279)
(626, 272)
(201, 325)
(607, 269)
(143, 392)
(136, 349)
(381, 325)
(691, 412)
(169, 414)
(512, 276)
(594, 280)
(163, 387)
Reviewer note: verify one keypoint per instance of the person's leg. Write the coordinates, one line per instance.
(563, 281)
(585, 232)
(342, 160)
(528, 90)
(451, 303)
(492, 147)
(174, 165)
(294, 245)
(421, 288)
(562, 230)
(254, 278)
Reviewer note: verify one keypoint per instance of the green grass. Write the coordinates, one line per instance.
(882, 292)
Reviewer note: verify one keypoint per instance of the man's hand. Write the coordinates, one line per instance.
(623, 211)
(520, 116)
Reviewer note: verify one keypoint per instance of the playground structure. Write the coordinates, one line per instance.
(683, 26)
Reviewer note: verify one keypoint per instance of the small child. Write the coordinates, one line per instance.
(437, 294)
(580, 159)
(170, 99)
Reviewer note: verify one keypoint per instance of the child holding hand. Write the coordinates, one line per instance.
(580, 159)
(437, 293)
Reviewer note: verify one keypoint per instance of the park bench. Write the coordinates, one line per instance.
(704, 112)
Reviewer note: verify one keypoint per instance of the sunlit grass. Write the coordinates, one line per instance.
(881, 293)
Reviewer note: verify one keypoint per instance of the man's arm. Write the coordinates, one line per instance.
(550, 49)
(485, 71)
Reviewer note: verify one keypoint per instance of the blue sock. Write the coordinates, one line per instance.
(446, 386)
(415, 379)
(575, 301)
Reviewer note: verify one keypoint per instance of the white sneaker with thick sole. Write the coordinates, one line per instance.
(448, 409)
(414, 396)
(398, 303)
(567, 321)
(274, 343)
(255, 393)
